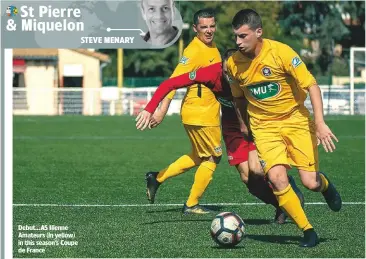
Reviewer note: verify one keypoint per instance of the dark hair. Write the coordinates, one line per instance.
(204, 13)
(247, 17)
(228, 53)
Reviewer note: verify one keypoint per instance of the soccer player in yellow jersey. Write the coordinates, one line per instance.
(270, 82)
(200, 113)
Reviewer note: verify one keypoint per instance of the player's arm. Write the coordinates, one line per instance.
(160, 113)
(146, 118)
(174, 83)
(323, 132)
(295, 67)
(210, 76)
(240, 103)
(188, 63)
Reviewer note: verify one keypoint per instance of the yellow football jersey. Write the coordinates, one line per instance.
(275, 83)
(199, 106)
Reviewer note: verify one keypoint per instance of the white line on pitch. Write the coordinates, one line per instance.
(165, 205)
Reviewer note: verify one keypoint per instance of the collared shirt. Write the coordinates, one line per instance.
(147, 36)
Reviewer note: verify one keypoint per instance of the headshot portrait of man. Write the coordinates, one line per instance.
(159, 16)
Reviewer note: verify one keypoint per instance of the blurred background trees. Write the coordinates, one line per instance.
(321, 32)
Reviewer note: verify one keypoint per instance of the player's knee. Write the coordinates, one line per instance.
(256, 169)
(309, 180)
(243, 170)
(310, 184)
(277, 175)
(274, 178)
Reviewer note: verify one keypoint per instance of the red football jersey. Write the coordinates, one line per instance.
(212, 77)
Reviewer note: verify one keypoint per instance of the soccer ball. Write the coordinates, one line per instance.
(227, 229)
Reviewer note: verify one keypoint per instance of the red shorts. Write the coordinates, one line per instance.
(237, 147)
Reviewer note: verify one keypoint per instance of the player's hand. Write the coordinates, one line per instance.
(156, 119)
(143, 120)
(325, 136)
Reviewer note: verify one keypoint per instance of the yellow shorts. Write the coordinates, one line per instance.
(291, 141)
(205, 140)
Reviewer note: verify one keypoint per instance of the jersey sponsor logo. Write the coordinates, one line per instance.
(192, 75)
(184, 60)
(265, 90)
(296, 61)
(225, 102)
(211, 60)
(230, 158)
(266, 71)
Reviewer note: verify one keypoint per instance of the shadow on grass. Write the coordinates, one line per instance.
(206, 218)
(258, 221)
(177, 221)
(280, 239)
(228, 248)
(214, 209)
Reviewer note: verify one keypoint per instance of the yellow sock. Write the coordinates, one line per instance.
(202, 178)
(181, 165)
(324, 183)
(289, 202)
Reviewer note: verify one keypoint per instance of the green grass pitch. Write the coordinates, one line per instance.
(96, 161)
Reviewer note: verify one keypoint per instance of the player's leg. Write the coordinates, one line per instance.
(181, 165)
(256, 183)
(208, 146)
(272, 152)
(303, 150)
(290, 202)
(256, 169)
(259, 186)
(319, 182)
(243, 170)
(243, 155)
(202, 179)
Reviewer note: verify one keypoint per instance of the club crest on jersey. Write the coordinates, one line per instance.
(192, 75)
(266, 71)
(296, 61)
(184, 60)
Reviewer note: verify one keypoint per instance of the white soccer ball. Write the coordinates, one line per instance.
(227, 229)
